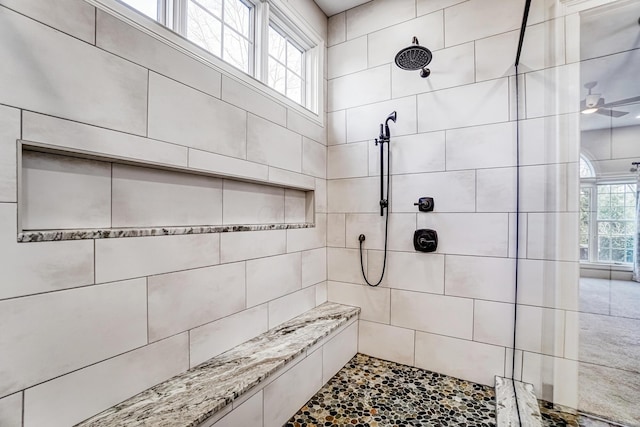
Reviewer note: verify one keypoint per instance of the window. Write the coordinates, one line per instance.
(251, 35)
(585, 222)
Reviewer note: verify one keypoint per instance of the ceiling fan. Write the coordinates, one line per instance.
(595, 103)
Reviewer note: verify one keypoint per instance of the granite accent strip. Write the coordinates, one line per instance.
(190, 398)
(506, 408)
(111, 233)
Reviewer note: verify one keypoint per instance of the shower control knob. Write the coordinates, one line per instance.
(425, 240)
(425, 204)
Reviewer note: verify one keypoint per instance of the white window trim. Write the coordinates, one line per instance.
(315, 56)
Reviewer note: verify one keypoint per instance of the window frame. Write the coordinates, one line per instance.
(263, 11)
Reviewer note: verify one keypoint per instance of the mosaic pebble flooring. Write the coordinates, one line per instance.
(370, 392)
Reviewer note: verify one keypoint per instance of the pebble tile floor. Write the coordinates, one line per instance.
(370, 392)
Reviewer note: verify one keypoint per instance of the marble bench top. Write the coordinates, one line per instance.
(192, 397)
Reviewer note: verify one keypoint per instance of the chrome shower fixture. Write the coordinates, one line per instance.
(415, 57)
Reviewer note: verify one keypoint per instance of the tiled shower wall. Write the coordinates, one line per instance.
(88, 323)
(455, 140)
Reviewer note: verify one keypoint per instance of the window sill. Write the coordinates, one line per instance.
(606, 266)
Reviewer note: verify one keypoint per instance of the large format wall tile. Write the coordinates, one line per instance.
(553, 284)
(96, 140)
(228, 166)
(249, 413)
(337, 352)
(304, 126)
(11, 410)
(468, 360)
(478, 147)
(557, 236)
(295, 207)
(471, 105)
(374, 302)
(55, 74)
(180, 114)
(246, 203)
(427, 6)
(348, 160)
(553, 378)
(363, 123)
(553, 91)
(289, 306)
(314, 266)
(145, 197)
(540, 330)
(242, 96)
(186, 299)
(336, 29)
(9, 133)
(252, 244)
(372, 16)
(452, 191)
(364, 87)
(118, 259)
(480, 277)
(359, 195)
(493, 322)
(400, 233)
(493, 182)
(438, 314)
(214, 338)
(343, 265)
(386, 342)
(72, 398)
(303, 239)
(314, 158)
(413, 271)
(273, 145)
(122, 39)
(49, 335)
(29, 268)
(419, 153)
(273, 277)
(346, 58)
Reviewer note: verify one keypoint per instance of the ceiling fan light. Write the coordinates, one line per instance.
(589, 110)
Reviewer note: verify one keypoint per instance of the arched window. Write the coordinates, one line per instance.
(586, 168)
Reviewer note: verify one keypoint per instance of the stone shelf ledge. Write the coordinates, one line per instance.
(200, 393)
(110, 233)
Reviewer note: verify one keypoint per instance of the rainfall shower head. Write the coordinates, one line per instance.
(415, 57)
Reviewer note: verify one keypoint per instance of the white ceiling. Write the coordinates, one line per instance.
(331, 7)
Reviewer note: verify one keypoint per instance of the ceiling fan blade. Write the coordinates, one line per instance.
(622, 102)
(611, 113)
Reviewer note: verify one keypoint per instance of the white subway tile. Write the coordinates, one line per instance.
(303, 239)
(251, 244)
(493, 322)
(314, 266)
(9, 133)
(291, 179)
(363, 123)
(146, 197)
(386, 342)
(369, 17)
(452, 191)
(289, 306)
(409, 271)
(248, 414)
(82, 83)
(11, 410)
(484, 234)
(468, 360)
(478, 147)
(348, 57)
(553, 236)
(337, 352)
(552, 284)
(246, 203)
(361, 88)
(438, 314)
(44, 337)
(61, 192)
(30, 268)
(227, 166)
(343, 265)
(69, 399)
(358, 195)
(428, 6)
(247, 98)
(400, 235)
(337, 127)
(452, 67)
(540, 330)
(314, 158)
(386, 43)
(306, 127)
(124, 40)
(374, 302)
(467, 21)
(180, 114)
(214, 338)
(493, 182)
(336, 230)
(273, 145)
(284, 396)
(95, 140)
(480, 277)
(272, 277)
(295, 205)
(337, 29)
(471, 105)
(118, 259)
(348, 160)
(186, 299)
(419, 153)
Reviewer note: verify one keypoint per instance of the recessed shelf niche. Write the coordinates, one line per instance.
(101, 197)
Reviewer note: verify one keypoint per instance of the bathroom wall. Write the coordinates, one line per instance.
(88, 323)
(455, 139)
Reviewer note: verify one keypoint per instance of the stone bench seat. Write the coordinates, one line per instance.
(205, 393)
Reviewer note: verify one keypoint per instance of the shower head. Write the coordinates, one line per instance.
(393, 116)
(415, 57)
